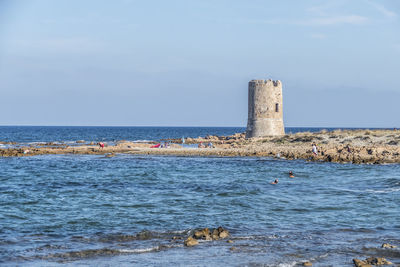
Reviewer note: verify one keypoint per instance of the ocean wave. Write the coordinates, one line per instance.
(390, 190)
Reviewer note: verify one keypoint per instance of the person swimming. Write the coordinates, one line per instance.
(291, 175)
(275, 182)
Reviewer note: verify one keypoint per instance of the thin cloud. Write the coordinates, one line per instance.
(335, 20)
(320, 21)
(383, 10)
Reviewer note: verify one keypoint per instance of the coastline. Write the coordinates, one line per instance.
(352, 146)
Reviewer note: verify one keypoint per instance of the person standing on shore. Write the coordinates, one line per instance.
(314, 149)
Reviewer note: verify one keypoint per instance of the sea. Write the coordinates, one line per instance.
(137, 210)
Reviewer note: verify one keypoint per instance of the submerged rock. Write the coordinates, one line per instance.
(190, 242)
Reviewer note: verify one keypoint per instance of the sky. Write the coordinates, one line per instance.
(188, 63)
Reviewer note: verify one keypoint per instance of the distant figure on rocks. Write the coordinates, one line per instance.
(200, 145)
(210, 145)
(275, 182)
(314, 149)
(291, 175)
(101, 144)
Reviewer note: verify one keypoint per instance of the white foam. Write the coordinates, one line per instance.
(391, 190)
(288, 264)
(139, 250)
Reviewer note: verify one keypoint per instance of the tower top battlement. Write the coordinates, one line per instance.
(265, 82)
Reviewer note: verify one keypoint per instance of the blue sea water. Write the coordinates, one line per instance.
(91, 210)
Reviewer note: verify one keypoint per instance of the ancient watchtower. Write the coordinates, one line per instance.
(265, 109)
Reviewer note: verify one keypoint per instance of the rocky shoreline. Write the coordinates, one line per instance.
(345, 146)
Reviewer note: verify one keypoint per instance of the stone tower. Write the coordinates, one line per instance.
(265, 109)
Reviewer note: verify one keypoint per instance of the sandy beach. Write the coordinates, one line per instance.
(355, 146)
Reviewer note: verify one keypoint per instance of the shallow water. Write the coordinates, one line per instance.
(93, 210)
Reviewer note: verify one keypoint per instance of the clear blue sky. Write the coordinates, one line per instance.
(187, 63)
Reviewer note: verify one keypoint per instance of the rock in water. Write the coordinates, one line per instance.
(387, 245)
(360, 263)
(307, 263)
(377, 261)
(215, 234)
(202, 234)
(222, 233)
(371, 261)
(190, 242)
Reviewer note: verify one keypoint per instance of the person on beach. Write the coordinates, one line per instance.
(314, 149)
(101, 145)
(275, 182)
(291, 175)
(200, 145)
(210, 145)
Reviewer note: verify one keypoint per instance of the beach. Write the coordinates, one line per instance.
(345, 146)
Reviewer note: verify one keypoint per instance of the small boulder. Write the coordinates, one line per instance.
(360, 263)
(369, 262)
(387, 245)
(307, 263)
(215, 234)
(190, 242)
(202, 234)
(377, 261)
(223, 233)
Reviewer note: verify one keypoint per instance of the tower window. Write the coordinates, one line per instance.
(276, 107)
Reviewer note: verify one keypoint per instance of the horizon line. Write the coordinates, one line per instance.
(178, 126)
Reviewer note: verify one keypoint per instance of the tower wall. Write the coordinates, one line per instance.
(265, 116)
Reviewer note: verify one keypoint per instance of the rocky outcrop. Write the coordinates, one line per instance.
(356, 146)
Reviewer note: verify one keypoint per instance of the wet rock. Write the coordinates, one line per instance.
(230, 241)
(369, 262)
(387, 245)
(80, 141)
(360, 263)
(222, 233)
(214, 234)
(202, 234)
(377, 261)
(307, 263)
(190, 242)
